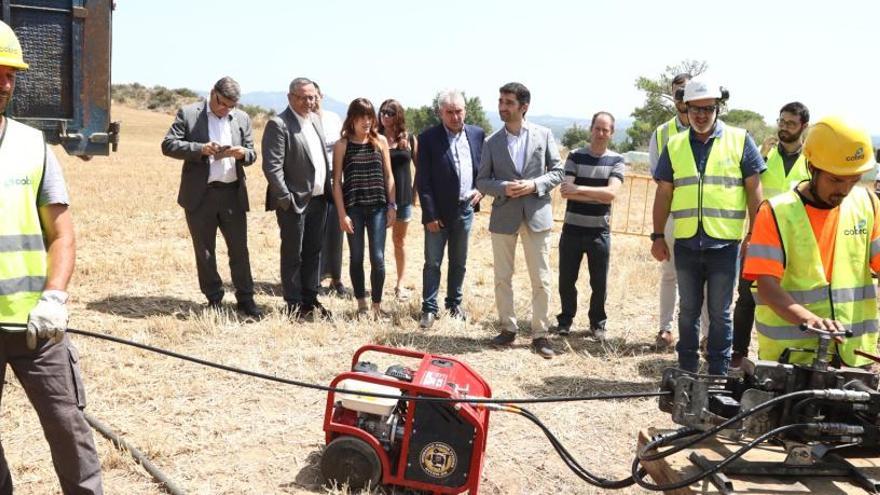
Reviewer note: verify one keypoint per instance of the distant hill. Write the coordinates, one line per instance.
(277, 100)
(558, 125)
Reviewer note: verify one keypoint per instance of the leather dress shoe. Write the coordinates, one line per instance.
(250, 309)
(316, 310)
(541, 346)
(427, 320)
(503, 339)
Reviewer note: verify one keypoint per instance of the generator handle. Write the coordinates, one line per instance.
(396, 351)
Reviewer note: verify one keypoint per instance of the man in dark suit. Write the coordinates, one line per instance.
(296, 165)
(214, 140)
(449, 157)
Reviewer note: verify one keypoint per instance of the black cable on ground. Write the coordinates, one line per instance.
(564, 454)
(325, 388)
(638, 472)
(139, 456)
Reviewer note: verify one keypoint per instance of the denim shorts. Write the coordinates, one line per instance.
(404, 213)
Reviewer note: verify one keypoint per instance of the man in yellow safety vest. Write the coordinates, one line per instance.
(813, 250)
(36, 261)
(708, 179)
(786, 168)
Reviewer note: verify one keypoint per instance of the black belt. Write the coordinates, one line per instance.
(223, 185)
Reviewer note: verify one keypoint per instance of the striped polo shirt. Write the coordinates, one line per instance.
(582, 217)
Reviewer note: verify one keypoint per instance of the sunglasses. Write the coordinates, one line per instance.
(388, 113)
(707, 110)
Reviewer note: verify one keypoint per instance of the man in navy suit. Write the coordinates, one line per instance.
(448, 157)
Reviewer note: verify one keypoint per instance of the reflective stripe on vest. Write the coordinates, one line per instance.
(775, 181)
(717, 199)
(851, 298)
(22, 249)
(665, 131)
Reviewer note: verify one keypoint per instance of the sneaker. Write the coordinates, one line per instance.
(541, 346)
(561, 330)
(503, 339)
(457, 313)
(427, 320)
(664, 339)
(599, 333)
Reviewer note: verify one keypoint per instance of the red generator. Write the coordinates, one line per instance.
(436, 447)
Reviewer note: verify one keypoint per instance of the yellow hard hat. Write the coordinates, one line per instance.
(10, 49)
(838, 148)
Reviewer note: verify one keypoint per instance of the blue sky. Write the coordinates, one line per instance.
(575, 57)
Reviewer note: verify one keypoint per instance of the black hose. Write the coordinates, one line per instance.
(568, 459)
(325, 388)
(644, 456)
(139, 456)
(639, 471)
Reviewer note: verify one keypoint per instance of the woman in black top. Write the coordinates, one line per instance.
(363, 190)
(403, 147)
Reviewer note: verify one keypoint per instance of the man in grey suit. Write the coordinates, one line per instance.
(519, 167)
(296, 165)
(214, 140)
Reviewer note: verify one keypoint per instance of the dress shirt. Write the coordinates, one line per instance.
(332, 125)
(516, 145)
(316, 151)
(220, 131)
(464, 165)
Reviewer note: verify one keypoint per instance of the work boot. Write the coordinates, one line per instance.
(541, 346)
(736, 360)
(503, 339)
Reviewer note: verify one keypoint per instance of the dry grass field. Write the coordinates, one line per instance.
(218, 433)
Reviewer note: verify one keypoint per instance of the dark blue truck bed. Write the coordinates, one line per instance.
(66, 91)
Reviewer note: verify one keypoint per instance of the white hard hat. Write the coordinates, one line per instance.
(701, 89)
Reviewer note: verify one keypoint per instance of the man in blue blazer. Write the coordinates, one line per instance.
(449, 157)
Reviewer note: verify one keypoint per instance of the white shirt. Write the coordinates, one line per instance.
(332, 124)
(220, 131)
(316, 151)
(464, 165)
(516, 145)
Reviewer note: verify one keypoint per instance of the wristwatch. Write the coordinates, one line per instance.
(655, 236)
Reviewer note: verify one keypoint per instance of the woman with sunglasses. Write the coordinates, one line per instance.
(402, 150)
(363, 191)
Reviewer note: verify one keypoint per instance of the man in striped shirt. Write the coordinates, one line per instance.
(593, 176)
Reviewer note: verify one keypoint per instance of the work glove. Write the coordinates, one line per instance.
(48, 319)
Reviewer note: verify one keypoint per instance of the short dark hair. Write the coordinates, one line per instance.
(523, 96)
(600, 113)
(681, 78)
(228, 88)
(799, 109)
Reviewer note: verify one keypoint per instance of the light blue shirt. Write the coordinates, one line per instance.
(464, 165)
